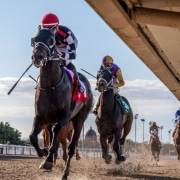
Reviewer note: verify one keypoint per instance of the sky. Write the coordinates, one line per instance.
(20, 19)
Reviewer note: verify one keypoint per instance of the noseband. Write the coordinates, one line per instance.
(108, 84)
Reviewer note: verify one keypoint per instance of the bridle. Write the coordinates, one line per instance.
(50, 49)
(108, 84)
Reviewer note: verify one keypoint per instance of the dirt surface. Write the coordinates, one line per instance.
(27, 168)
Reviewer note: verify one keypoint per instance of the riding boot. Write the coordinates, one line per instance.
(96, 108)
(150, 140)
(73, 69)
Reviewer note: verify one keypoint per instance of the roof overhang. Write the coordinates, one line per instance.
(150, 28)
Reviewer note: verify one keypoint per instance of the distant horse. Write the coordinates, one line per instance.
(112, 125)
(64, 136)
(155, 147)
(176, 138)
(57, 100)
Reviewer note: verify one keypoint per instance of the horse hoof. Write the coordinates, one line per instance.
(107, 159)
(122, 158)
(117, 161)
(46, 165)
(78, 158)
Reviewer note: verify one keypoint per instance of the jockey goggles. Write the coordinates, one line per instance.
(108, 65)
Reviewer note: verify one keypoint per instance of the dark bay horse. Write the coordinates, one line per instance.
(112, 125)
(64, 136)
(155, 147)
(57, 100)
(176, 139)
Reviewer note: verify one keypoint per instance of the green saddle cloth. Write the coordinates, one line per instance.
(123, 105)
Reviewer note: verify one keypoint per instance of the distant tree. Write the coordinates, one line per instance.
(8, 133)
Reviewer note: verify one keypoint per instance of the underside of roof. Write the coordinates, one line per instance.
(150, 28)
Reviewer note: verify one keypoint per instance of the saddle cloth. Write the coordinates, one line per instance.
(77, 96)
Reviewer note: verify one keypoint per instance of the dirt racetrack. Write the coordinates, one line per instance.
(27, 168)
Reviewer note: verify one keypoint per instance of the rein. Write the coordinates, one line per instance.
(53, 87)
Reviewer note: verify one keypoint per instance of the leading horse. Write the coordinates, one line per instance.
(176, 139)
(112, 125)
(57, 100)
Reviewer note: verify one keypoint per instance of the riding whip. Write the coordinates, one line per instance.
(18, 80)
(33, 78)
(89, 73)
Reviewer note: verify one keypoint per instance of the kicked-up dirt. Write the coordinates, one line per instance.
(90, 168)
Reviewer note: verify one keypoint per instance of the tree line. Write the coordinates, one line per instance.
(10, 135)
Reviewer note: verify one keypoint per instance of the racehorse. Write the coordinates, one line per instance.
(112, 125)
(63, 136)
(155, 147)
(176, 139)
(57, 100)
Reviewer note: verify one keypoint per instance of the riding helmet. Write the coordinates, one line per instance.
(154, 123)
(107, 59)
(49, 20)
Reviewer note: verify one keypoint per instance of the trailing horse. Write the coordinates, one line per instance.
(64, 136)
(155, 147)
(57, 100)
(112, 125)
(176, 139)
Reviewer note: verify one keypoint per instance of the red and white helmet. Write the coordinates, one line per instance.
(49, 20)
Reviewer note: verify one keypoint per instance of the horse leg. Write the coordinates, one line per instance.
(71, 150)
(49, 161)
(74, 141)
(105, 149)
(158, 156)
(118, 149)
(36, 129)
(78, 157)
(126, 127)
(56, 152)
(64, 148)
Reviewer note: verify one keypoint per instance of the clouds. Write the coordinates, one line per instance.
(149, 98)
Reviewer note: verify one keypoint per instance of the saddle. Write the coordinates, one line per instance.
(123, 105)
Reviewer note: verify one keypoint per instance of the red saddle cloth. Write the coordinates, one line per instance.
(79, 97)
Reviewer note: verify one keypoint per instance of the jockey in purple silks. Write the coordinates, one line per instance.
(118, 81)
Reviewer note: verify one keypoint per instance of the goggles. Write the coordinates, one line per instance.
(108, 65)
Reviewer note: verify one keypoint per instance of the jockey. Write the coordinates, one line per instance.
(177, 115)
(118, 81)
(153, 130)
(66, 43)
(177, 118)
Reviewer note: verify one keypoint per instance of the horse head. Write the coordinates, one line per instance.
(44, 43)
(104, 81)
